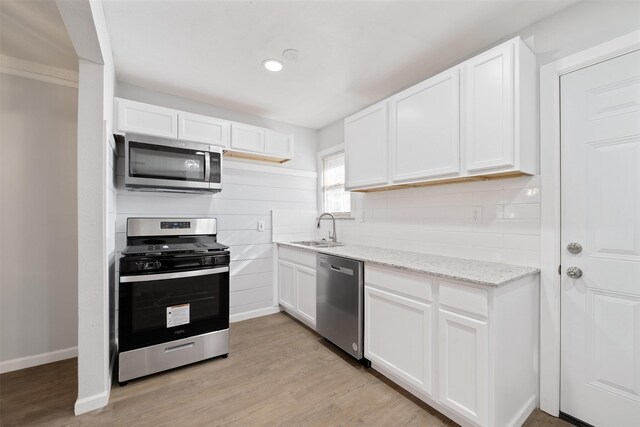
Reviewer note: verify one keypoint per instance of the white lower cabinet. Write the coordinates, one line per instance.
(467, 350)
(286, 284)
(297, 284)
(464, 366)
(305, 286)
(398, 336)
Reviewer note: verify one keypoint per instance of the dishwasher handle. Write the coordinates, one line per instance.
(342, 270)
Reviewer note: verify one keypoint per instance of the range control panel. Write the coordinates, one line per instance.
(164, 225)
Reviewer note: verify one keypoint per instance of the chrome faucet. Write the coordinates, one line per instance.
(333, 238)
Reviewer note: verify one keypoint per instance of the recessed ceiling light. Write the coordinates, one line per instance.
(272, 65)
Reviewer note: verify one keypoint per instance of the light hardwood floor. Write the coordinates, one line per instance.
(279, 373)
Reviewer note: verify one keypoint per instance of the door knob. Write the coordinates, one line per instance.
(574, 248)
(574, 272)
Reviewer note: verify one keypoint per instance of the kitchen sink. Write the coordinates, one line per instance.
(318, 243)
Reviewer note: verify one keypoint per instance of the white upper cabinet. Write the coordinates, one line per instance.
(256, 143)
(197, 128)
(247, 137)
(366, 136)
(424, 129)
(238, 139)
(146, 119)
(475, 119)
(499, 120)
(279, 144)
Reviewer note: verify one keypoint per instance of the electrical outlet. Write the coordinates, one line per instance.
(260, 225)
(476, 215)
(361, 216)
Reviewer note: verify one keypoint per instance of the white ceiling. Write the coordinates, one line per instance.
(33, 31)
(352, 53)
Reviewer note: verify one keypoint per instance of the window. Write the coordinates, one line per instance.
(334, 198)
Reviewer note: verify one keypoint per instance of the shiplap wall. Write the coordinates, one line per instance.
(248, 196)
(438, 220)
(294, 225)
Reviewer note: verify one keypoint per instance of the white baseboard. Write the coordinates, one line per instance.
(524, 413)
(38, 359)
(91, 403)
(254, 313)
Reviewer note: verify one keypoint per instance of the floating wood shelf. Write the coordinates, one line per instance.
(255, 156)
(442, 181)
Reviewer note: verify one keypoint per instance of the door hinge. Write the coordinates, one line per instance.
(560, 270)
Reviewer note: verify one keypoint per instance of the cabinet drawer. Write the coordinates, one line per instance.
(297, 256)
(408, 283)
(465, 298)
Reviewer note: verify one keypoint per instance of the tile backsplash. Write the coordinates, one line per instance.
(438, 219)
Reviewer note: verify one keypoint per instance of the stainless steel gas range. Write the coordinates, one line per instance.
(173, 295)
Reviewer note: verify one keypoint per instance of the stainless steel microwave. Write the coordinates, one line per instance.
(159, 164)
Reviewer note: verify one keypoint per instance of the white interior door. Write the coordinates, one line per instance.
(600, 311)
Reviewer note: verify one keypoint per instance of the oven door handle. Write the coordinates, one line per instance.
(169, 276)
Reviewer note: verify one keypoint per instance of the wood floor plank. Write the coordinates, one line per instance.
(278, 373)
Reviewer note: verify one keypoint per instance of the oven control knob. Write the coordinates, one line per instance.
(148, 265)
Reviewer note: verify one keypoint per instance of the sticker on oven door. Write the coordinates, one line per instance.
(177, 315)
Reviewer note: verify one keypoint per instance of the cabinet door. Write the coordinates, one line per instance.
(366, 137)
(398, 336)
(286, 284)
(425, 129)
(464, 365)
(489, 123)
(145, 119)
(247, 138)
(279, 144)
(305, 280)
(209, 130)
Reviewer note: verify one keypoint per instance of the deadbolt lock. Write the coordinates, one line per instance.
(574, 248)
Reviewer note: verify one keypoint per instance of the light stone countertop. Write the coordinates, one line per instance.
(485, 273)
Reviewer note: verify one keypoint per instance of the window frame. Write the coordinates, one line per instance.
(322, 155)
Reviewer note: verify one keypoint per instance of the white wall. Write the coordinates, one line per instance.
(38, 218)
(331, 135)
(581, 26)
(248, 195)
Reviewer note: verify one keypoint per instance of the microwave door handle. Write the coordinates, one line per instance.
(207, 166)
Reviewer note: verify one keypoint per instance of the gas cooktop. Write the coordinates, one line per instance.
(168, 247)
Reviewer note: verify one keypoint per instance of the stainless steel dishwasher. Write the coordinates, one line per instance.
(340, 301)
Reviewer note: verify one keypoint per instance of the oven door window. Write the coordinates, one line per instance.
(157, 311)
(158, 161)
